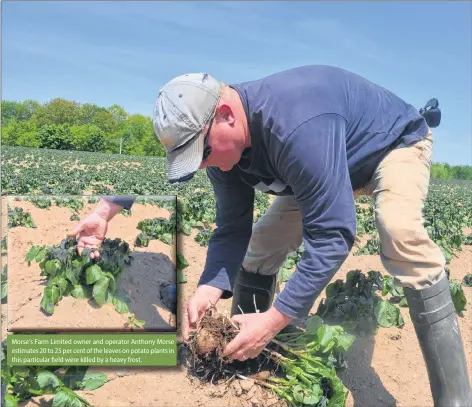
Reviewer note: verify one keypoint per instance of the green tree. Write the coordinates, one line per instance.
(54, 136)
(87, 137)
(119, 114)
(17, 133)
(11, 110)
(97, 116)
(446, 171)
(18, 111)
(87, 113)
(30, 107)
(9, 132)
(104, 120)
(28, 139)
(58, 111)
(139, 137)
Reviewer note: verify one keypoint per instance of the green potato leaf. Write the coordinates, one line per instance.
(121, 302)
(11, 401)
(313, 323)
(187, 229)
(93, 381)
(182, 262)
(167, 238)
(344, 342)
(458, 296)
(308, 396)
(100, 290)
(55, 294)
(387, 314)
(93, 274)
(340, 393)
(32, 253)
(66, 398)
(47, 303)
(80, 292)
(47, 380)
(51, 267)
(285, 274)
(40, 255)
(62, 285)
(112, 286)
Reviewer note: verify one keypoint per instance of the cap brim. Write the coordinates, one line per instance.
(185, 162)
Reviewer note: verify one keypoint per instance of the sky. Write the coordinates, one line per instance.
(117, 52)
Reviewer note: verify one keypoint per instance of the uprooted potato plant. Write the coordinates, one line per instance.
(81, 277)
(303, 365)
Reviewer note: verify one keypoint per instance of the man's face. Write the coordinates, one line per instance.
(225, 138)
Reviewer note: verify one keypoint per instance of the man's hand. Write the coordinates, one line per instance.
(91, 231)
(203, 297)
(93, 228)
(256, 331)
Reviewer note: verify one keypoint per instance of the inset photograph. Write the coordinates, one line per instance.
(92, 263)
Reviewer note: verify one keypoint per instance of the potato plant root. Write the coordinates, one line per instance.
(215, 331)
(207, 344)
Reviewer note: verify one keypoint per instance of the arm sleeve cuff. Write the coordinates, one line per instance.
(122, 200)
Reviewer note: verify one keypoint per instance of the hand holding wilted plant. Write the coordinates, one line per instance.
(91, 233)
(92, 230)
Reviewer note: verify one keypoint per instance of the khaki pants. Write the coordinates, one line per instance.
(399, 187)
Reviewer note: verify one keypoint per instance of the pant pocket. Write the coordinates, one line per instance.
(425, 147)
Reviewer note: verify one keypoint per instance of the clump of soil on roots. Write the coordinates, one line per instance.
(207, 343)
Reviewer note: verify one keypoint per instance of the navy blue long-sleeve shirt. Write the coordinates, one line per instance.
(125, 201)
(317, 133)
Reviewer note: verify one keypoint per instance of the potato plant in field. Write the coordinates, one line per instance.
(308, 361)
(355, 305)
(23, 382)
(69, 273)
(303, 364)
(447, 209)
(203, 237)
(20, 217)
(157, 228)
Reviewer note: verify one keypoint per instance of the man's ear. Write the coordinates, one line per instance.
(224, 113)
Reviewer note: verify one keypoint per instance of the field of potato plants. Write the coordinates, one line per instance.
(361, 350)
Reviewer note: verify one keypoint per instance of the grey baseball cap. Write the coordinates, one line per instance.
(183, 108)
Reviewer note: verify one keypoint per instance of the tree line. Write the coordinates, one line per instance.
(68, 125)
(446, 171)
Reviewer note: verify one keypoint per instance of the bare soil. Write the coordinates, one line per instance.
(150, 266)
(384, 371)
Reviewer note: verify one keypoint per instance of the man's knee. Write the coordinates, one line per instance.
(399, 227)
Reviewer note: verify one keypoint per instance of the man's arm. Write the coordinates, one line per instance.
(234, 219)
(313, 162)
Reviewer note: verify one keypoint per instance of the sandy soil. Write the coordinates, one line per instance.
(385, 371)
(150, 266)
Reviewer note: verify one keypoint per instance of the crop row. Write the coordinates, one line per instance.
(447, 210)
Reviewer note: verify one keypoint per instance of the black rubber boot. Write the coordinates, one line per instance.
(434, 317)
(249, 285)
